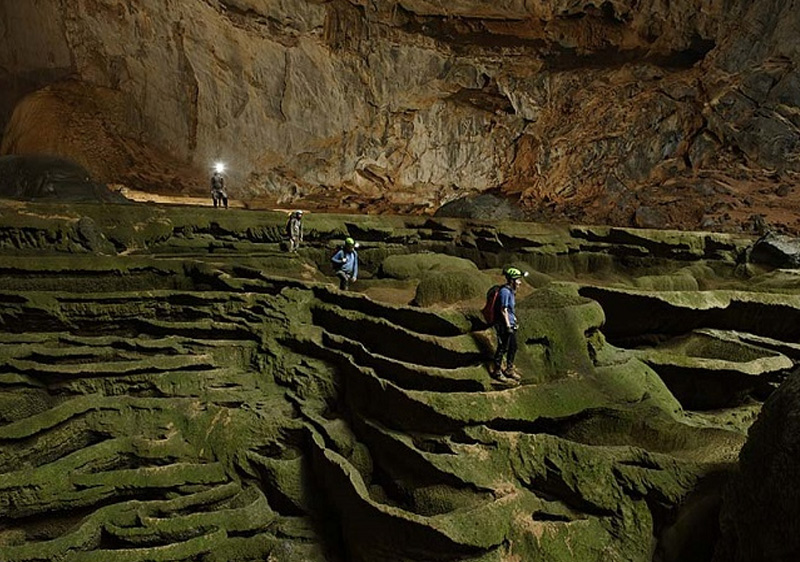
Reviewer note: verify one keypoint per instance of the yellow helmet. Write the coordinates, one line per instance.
(512, 273)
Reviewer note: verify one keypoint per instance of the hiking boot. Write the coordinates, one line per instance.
(502, 380)
(512, 373)
(495, 369)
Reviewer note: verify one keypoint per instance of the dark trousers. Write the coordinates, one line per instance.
(220, 198)
(344, 280)
(506, 345)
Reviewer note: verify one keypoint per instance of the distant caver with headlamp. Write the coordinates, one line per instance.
(219, 197)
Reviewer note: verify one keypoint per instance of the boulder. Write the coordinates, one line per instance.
(486, 206)
(761, 507)
(776, 250)
(451, 287)
(650, 217)
(408, 266)
(49, 177)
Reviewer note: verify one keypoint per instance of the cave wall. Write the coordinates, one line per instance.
(586, 109)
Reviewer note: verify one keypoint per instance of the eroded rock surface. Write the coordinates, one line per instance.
(196, 393)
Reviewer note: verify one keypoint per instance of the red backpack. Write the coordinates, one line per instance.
(489, 309)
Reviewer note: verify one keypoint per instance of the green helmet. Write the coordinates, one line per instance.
(349, 243)
(512, 273)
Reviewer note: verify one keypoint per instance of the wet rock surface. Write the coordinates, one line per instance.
(197, 393)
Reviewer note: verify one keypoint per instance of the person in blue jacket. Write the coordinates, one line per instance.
(345, 263)
(506, 327)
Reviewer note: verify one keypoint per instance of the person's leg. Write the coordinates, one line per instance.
(225, 200)
(512, 352)
(502, 347)
(343, 280)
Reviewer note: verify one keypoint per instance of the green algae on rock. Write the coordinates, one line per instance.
(209, 396)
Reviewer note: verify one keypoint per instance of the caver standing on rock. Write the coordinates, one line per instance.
(218, 194)
(506, 327)
(294, 230)
(345, 263)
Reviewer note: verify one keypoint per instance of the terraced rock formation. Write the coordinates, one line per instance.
(177, 387)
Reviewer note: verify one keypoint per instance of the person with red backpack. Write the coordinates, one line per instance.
(505, 324)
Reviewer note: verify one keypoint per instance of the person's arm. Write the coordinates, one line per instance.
(506, 318)
(505, 306)
(355, 265)
(338, 258)
(300, 225)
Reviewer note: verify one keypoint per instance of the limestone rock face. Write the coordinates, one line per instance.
(579, 110)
